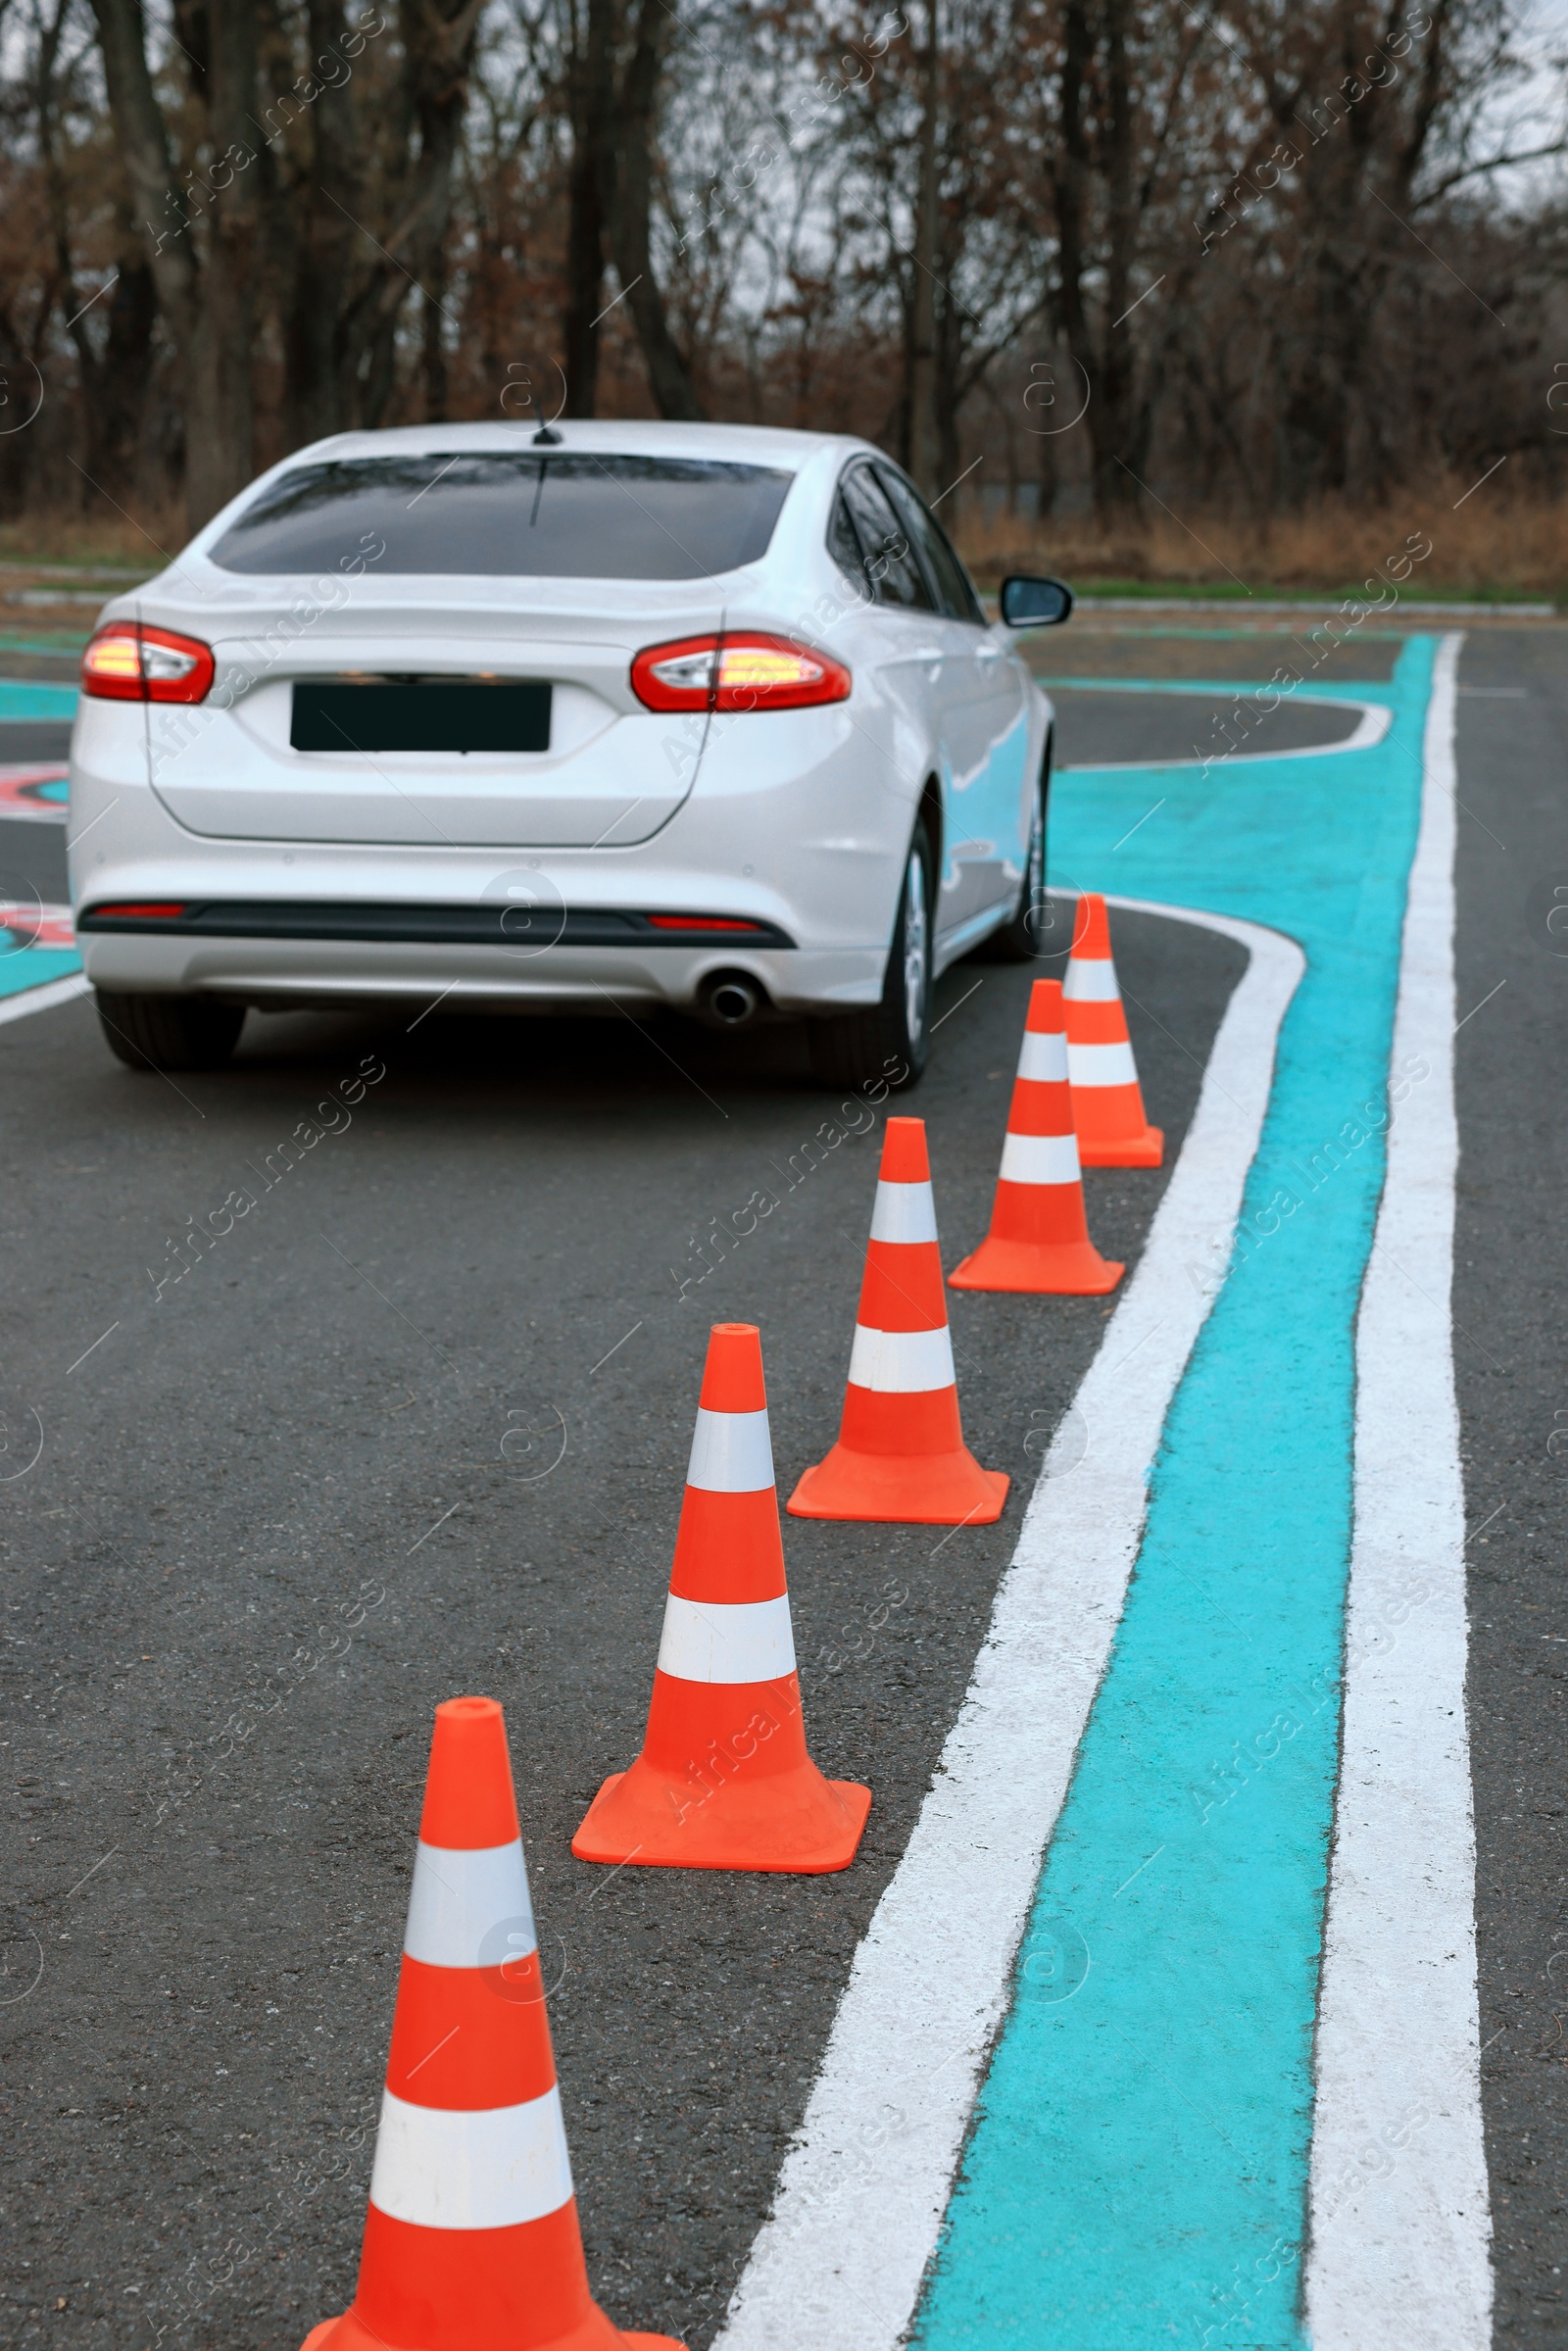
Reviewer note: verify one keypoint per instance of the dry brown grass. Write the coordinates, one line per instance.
(1490, 543)
(68, 538)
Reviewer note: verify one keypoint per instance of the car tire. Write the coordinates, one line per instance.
(1025, 936)
(169, 1032)
(857, 1048)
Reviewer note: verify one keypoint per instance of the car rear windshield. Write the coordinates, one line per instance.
(569, 515)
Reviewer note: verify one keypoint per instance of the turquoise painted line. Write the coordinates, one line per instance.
(58, 791)
(24, 697)
(1137, 2171)
(1251, 634)
(1346, 690)
(34, 966)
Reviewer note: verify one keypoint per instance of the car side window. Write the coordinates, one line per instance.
(890, 560)
(954, 587)
(842, 544)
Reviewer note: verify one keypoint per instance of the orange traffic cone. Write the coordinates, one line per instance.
(901, 1453)
(1107, 1102)
(724, 1781)
(1038, 1237)
(472, 2240)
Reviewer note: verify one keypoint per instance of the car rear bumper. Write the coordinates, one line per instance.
(260, 970)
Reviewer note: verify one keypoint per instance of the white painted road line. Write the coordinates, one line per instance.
(865, 2182)
(1401, 2236)
(44, 999)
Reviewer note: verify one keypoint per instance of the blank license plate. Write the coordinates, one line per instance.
(421, 716)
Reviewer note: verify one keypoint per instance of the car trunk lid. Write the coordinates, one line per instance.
(408, 718)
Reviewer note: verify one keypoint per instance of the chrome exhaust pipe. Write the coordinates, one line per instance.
(731, 999)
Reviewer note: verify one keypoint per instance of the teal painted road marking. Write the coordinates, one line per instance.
(23, 698)
(1137, 2173)
(1217, 689)
(34, 966)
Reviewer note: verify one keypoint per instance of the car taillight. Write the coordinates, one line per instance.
(744, 672)
(127, 661)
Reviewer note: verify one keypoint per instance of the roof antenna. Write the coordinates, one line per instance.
(546, 437)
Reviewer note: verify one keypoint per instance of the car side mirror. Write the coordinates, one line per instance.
(1034, 603)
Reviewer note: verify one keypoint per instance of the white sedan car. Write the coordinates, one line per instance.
(603, 714)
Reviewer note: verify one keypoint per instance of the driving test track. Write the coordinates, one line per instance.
(1161, 2017)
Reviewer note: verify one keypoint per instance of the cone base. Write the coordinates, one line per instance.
(1147, 1150)
(595, 2333)
(793, 1823)
(1040, 1268)
(910, 1490)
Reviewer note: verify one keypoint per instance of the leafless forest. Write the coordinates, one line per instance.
(1103, 271)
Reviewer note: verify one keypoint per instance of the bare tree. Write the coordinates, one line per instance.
(282, 167)
(592, 93)
(1254, 232)
(925, 453)
(628, 205)
(114, 380)
(200, 235)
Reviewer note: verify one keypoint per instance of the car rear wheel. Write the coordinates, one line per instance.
(890, 1040)
(169, 1032)
(1026, 934)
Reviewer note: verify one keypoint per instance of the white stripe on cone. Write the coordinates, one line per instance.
(1101, 1065)
(1039, 1159)
(1091, 981)
(710, 1640)
(1043, 1057)
(902, 1362)
(905, 1213)
(488, 2167)
(731, 1453)
(459, 1899)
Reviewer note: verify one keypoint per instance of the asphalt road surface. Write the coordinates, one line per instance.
(32, 863)
(1101, 728)
(1512, 1368)
(419, 1425)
